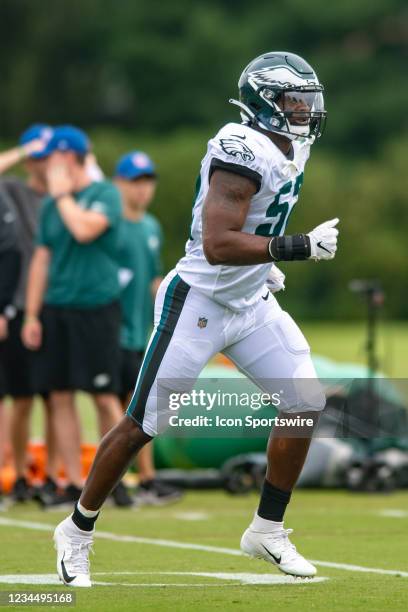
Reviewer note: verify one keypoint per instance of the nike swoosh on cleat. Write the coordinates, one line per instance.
(319, 244)
(276, 559)
(265, 297)
(67, 577)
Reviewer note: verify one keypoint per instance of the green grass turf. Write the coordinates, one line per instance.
(331, 526)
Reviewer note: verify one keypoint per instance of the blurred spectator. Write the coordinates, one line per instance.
(32, 144)
(140, 277)
(23, 199)
(74, 273)
(2, 433)
(9, 271)
(93, 169)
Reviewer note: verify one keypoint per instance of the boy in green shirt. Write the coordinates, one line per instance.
(140, 275)
(72, 308)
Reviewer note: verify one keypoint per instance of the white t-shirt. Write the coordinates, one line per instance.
(239, 148)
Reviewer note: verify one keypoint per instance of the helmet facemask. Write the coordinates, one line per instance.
(297, 112)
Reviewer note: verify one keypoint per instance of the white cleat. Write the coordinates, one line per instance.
(73, 546)
(276, 548)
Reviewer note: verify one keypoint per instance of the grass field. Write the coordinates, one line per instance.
(330, 527)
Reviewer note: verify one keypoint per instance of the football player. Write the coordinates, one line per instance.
(249, 183)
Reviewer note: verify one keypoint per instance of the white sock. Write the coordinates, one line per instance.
(265, 526)
(85, 512)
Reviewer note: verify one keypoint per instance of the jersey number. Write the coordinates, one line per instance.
(279, 210)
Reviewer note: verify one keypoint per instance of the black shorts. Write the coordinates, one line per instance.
(130, 362)
(18, 362)
(80, 349)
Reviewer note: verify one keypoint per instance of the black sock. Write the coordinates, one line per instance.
(85, 523)
(273, 502)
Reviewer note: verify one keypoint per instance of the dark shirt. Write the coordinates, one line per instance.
(25, 205)
(9, 252)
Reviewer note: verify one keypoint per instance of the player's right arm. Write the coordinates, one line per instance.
(224, 213)
(36, 287)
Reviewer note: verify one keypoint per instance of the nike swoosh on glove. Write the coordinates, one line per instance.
(323, 240)
(276, 280)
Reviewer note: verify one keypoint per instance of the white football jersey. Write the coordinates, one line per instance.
(241, 149)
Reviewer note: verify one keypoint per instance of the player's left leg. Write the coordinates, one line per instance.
(177, 352)
(275, 355)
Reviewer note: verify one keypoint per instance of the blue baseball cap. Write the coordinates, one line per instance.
(37, 131)
(68, 138)
(133, 165)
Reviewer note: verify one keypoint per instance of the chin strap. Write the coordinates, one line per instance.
(244, 108)
(248, 114)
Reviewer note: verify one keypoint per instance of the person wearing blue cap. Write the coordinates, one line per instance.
(72, 308)
(33, 143)
(140, 275)
(23, 198)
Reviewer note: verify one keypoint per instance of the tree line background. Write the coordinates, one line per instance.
(157, 75)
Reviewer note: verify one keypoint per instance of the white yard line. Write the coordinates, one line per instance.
(191, 516)
(359, 568)
(230, 579)
(393, 513)
(243, 578)
(106, 535)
